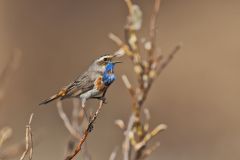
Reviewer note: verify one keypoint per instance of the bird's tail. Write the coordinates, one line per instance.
(56, 96)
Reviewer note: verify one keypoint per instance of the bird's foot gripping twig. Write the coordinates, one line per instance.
(101, 98)
(90, 127)
(86, 132)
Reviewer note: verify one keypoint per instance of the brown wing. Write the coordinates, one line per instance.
(81, 85)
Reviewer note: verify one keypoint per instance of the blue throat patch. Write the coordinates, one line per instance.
(108, 75)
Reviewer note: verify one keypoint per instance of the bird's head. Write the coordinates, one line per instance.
(101, 62)
(104, 60)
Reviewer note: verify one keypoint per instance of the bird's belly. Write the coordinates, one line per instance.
(98, 89)
(92, 93)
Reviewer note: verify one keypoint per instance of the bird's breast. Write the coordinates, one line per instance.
(99, 84)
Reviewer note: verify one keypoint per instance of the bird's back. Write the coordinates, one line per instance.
(82, 84)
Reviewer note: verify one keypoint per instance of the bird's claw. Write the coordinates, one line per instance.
(90, 127)
(104, 100)
(101, 99)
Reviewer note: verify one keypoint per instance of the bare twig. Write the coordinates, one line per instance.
(11, 66)
(86, 132)
(128, 85)
(12, 151)
(113, 154)
(149, 151)
(75, 114)
(129, 5)
(86, 154)
(126, 144)
(29, 141)
(150, 135)
(120, 123)
(137, 134)
(121, 44)
(74, 127)
(67, 122)
(152, 33)
(168, 59)
(5, 133)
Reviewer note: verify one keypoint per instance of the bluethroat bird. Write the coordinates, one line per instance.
(91, 84)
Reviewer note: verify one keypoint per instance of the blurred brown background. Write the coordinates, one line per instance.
(197, 96)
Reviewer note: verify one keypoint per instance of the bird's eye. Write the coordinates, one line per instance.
(105, 59)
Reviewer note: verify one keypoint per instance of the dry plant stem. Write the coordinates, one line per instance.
(137, 134)
(5, 134)
(12, 151)
(129, 4)
(86, 132)
(86, 154)
(126, 143)
(74, 126)
(158, 71)
(113, 154)
(150, 135)
(128, 86)
(29, 141)
(121, 45)
(66, 121)
(152, 33)
(11, 66)
(149, 151)
(168, 59)
(75, 114)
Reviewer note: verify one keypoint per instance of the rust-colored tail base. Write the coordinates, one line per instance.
(56, 96)
(50, 99)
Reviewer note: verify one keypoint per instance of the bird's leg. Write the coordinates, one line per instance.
(102, 98)
(90, 128)
(84, 110)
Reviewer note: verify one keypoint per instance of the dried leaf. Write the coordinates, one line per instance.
(120, 123)
(134, 20)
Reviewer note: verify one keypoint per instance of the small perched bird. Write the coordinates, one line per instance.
(91, 84)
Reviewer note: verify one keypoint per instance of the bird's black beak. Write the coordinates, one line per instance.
(115, 62)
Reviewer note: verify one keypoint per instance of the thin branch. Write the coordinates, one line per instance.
(11, 66)
(120, 123)
(150, 135)
(129, 5)
(113, 154)
(153, 25)
(75, 114)
(115, 39)
(29, 141)
(128, 85)
(121, 44)
(12, 151)
(86, 132)
(126, 144)
(149, 151)
(86, 154)
(66, 121)
(5, 133)
(168, 59)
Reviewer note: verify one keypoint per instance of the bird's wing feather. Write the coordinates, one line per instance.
(81, 85)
